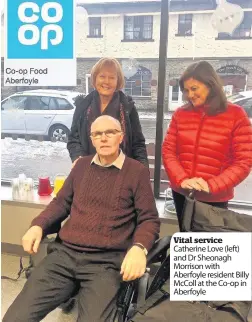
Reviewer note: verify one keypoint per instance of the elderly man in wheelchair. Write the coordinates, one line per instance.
(112, 224)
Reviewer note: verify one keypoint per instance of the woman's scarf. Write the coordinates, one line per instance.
(114, 109)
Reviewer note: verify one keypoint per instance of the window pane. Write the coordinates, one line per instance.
(182, 18)
(53, 104)
(148, 19)
(128, 27)
(137, 34)
(36, 153)
(94, 26)
(129, 20)
(146, 84)
(147, 34)
(128, 35)
(146, 77)
(63, 104)
(132, 21)
(37, 103)
(15, 102)
(138, 27)
(140, 82)
(146, 92)
(128, 84)
(175, 95)
(128, 91)
(136, 91)
(137, 76)
(185, 24)
(45, 100)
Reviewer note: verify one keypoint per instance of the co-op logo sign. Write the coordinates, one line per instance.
(30, 24)
(40, 29)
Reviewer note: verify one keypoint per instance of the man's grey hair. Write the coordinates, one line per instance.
(107, 117)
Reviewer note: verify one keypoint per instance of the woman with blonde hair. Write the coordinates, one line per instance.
(208, 146)
(107, 99)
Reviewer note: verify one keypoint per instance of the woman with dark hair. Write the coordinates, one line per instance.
(208, 145)
(107, 99)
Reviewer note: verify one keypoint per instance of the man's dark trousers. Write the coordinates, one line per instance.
(53, 281)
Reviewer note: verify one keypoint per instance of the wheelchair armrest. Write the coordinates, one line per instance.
(159, 249)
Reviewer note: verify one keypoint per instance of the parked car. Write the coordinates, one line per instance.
(39, 113)
(243, 99)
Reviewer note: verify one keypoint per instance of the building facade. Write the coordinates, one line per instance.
(130, 31)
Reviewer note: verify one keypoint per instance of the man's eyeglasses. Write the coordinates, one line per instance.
(109, 133)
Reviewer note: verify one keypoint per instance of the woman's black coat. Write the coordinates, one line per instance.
(78, 141)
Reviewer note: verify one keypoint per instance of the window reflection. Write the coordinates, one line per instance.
(128, 31)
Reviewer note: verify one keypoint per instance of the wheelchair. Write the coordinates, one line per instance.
(130, 293)
(139, 296)
(135, 293)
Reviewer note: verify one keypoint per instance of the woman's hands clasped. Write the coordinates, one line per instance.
(198, 184)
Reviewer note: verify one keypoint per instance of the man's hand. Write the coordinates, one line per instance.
(198, 184)
(74, 163)
(32, 239)
(134, 264)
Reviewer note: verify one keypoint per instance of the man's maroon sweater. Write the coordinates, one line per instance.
(110, 209)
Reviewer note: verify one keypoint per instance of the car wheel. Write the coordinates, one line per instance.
(58, 133)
